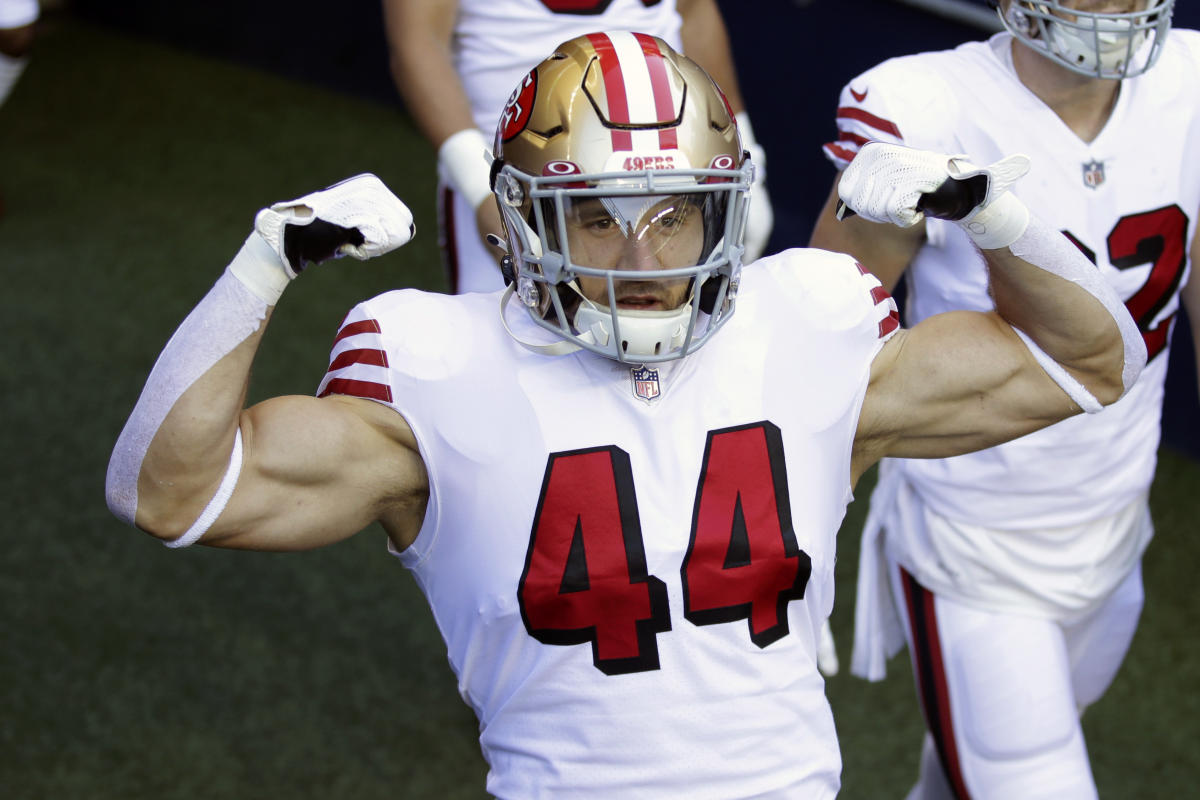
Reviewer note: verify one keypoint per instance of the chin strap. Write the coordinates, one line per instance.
(560, 348)
(637, 328)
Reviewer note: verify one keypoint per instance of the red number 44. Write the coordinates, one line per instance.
(586, 580)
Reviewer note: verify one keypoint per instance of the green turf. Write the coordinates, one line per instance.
(131, 174)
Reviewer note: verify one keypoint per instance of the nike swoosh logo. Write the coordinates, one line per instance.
(860, 96)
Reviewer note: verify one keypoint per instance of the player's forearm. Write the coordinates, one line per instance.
(1044, 287)
(177, 444)
(422, 66)
(706, 41)
(191, 452)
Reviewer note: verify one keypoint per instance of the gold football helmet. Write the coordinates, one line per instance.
(1111, 45)
(623, 187)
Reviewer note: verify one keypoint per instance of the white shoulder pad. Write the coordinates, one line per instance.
(400, 336)
(834, 291)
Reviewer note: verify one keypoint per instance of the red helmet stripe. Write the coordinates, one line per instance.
(614, 89)
(668, 138)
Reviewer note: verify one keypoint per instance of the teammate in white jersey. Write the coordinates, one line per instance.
(1017, 569)
(619, 498)
(455, 63)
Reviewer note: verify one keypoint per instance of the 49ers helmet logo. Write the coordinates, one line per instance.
(517, 109)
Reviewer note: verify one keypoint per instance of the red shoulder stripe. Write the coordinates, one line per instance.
(853, 138)
(375, 358)
(881, 296)
(362, 326)
(878, 123)
(367, 389)
(839, 152)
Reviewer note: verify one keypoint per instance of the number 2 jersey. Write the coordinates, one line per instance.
(1128, 199)
(629, 566)
(497, 42)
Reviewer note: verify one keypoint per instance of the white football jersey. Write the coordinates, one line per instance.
(1128, 199)
(630, 566)
(497, 41)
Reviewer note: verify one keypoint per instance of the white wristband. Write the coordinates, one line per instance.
(463, 162)
(998, 224)
(259, 268)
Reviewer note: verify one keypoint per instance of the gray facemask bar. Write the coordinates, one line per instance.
(724, 262)
(1155, 22)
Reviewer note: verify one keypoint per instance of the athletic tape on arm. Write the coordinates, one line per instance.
(226, 317)
(1045, 247)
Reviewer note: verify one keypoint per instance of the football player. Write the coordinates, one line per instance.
(619, 498)
(456, 61)
(1016, 570)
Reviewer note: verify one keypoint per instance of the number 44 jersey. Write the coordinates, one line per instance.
(630, 565)
(1128, 199)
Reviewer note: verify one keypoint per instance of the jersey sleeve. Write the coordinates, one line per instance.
(395, 346)
(890, 102)
(358, 361)
(839, 298)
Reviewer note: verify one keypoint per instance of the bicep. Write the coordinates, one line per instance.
(885, 250)
(955, 383)
(315, 471)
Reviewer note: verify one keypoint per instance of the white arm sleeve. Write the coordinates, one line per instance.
(227, 315)
(1045, 247)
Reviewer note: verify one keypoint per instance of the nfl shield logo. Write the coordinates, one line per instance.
(1093, 174)
(645, 383)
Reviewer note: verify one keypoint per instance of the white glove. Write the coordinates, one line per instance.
(368, 221)
(896, 184)
(761, 218)
(358, 217)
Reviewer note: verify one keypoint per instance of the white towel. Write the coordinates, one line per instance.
(878, 634)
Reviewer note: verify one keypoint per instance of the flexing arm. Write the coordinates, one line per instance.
(963, 381)
(288, 473)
